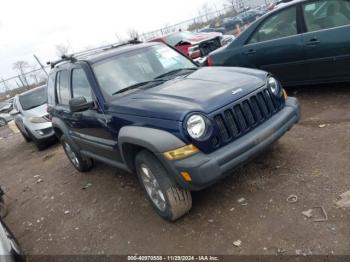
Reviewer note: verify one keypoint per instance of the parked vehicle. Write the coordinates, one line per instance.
(248, 16)
(5, 117)
(193, 45)
(148, 109)
(309, 46)
(221, 30)
(231, 24)
(10, 251)
(31, 117)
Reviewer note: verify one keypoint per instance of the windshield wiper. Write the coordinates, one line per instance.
(137, 86)
(172, 72)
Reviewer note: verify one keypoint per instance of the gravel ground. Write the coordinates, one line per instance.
(51, 213)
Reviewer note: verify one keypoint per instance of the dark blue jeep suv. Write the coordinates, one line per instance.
(146, 108)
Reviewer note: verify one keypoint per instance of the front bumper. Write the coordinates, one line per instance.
(44, 134)
(206, 169)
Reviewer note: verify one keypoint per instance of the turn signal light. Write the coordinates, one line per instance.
(209, 61)
(186, 176)
(181, 152)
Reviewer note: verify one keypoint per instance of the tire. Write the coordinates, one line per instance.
(173, 202)
(26, 138)
(80, 162)
(3, 122)
(3, 209)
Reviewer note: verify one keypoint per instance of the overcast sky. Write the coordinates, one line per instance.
(30, 27)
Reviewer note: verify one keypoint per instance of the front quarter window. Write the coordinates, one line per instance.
(279, 25)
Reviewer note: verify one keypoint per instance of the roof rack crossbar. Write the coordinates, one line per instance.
(72, 57)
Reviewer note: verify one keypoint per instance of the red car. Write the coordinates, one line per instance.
(193, 45)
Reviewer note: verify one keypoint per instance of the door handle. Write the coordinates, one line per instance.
(251, 52)
(313, 42)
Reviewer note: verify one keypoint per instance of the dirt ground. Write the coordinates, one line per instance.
(51, 213)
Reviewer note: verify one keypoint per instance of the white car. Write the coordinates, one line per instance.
(31, 117)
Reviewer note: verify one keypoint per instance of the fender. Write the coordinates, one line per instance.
(155, 140)
(59, 124)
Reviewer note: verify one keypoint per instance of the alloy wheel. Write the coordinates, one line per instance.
(152, 187)
(72, 156)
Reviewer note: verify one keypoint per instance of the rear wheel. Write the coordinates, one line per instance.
(80, 162)
(168, 199)
(3, 122)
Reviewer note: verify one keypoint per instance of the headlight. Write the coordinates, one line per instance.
(37, 120)
(274, 86)
(196, 126)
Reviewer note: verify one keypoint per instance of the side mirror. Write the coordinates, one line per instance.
(14, 112)
(79, 104)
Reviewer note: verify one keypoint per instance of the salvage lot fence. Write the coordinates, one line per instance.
(25, 81)
(203, 20)
(22, 82)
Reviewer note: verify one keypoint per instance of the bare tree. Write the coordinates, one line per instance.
(133, 33)
(21, 66)
(62, 49)
(234, 4)
(207, 10)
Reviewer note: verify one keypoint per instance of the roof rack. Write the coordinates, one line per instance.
(73, 57)
(64, 58)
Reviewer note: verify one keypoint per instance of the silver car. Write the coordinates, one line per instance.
(5, 117)
(31, 117)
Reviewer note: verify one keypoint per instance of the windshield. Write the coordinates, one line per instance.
(33, 99)
(174, 39)
(139, 66)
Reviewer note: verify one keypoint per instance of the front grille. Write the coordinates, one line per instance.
(245, 115)
(209, 46)
(47, 130)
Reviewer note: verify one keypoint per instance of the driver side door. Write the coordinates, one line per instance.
(90, 128)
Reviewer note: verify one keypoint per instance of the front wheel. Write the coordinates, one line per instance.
(168, 199)
(80, 162)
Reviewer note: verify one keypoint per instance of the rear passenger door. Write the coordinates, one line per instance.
(327, 39)
(90, 128)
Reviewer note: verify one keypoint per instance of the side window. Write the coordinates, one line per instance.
(280, 25)
(80, 84)
(51, 99)
(62, 87)
(325, 14)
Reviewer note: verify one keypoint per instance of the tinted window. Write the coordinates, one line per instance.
(33, 99)
(51, 89)
(280, 25)
(326, 14)
(80, 84)
(63, 93)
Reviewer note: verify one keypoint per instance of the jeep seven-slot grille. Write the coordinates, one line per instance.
(238, 119)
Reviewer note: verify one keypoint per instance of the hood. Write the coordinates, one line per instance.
(205, 90)
(39, 111)
(200, 37)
